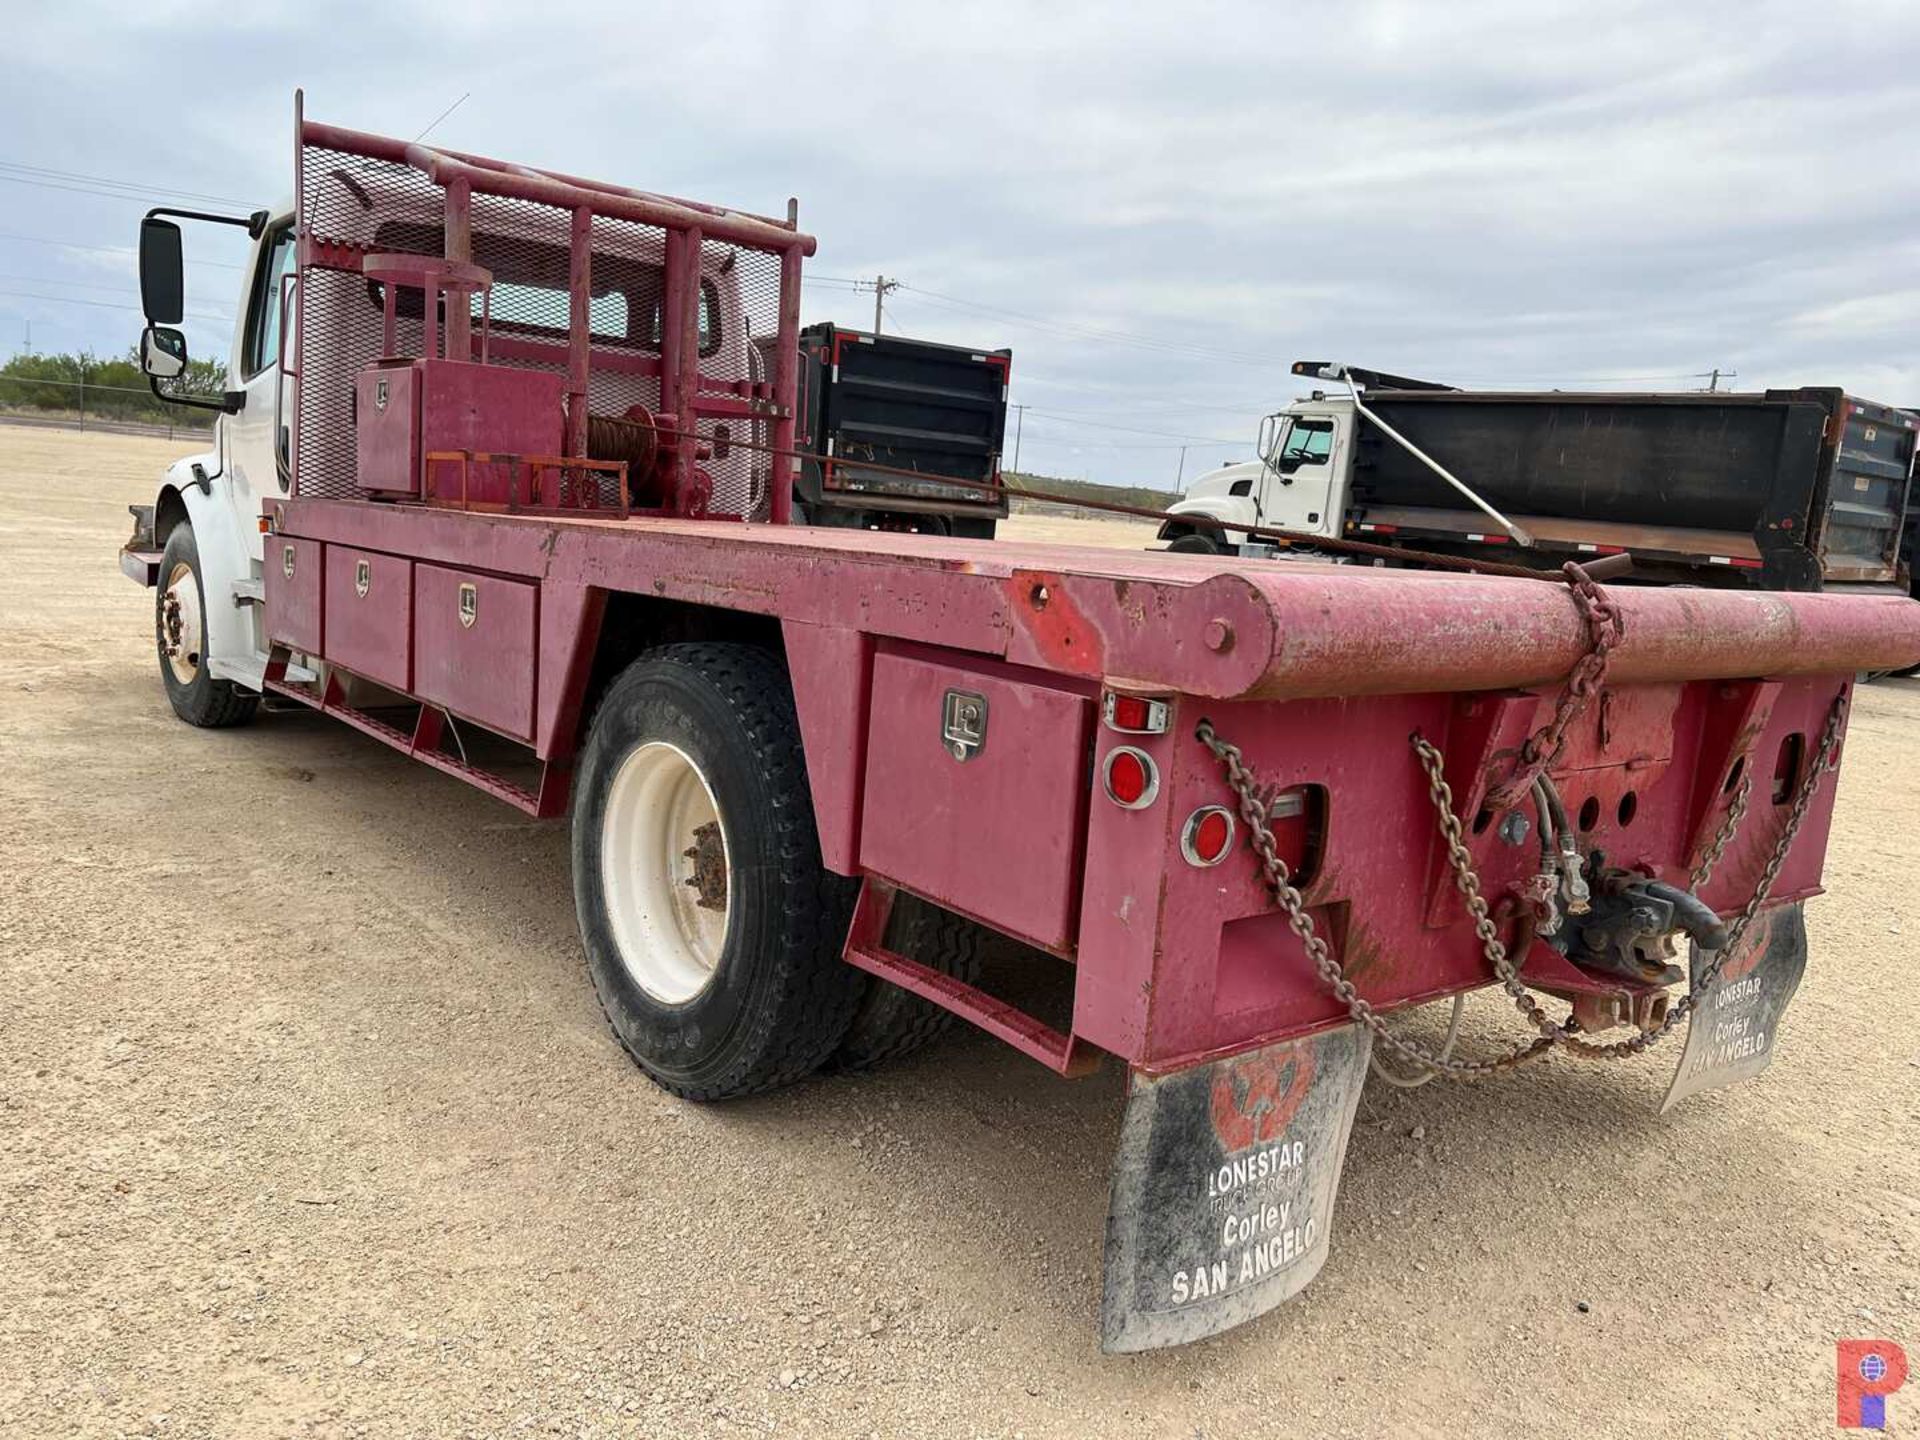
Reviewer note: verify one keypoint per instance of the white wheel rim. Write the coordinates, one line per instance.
(666, 873)
(182, 636)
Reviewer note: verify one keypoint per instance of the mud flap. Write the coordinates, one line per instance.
(1223, 1188)
(1730, 1037)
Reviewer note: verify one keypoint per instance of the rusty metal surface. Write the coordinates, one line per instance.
(866, 950)
(1223, 1188)
(1287, 629)
(1178, 963)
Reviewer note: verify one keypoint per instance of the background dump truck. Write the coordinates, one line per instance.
(880, 411)
(1781, 490)
(502, 482)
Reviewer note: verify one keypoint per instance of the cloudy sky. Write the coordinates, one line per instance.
(1156, 207)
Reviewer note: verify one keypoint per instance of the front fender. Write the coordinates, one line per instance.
(1233, 509)
(224, 563)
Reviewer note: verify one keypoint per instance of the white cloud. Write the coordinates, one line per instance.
(1495, 192)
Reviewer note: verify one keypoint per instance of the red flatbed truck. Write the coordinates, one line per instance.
(503, 474)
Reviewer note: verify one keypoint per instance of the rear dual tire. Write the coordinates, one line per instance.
(713, 934)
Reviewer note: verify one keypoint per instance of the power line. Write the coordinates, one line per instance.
(106, 304)
(1081, 330)
(75, 285)
(24, 174)
(126, 251)
(1067, 418)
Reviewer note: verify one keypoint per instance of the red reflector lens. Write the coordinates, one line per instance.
(1132, 780)
(1208, 836)
(1129, 712)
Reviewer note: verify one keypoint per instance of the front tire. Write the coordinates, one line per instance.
(1194, 543)
(180, 629)
(713, 934)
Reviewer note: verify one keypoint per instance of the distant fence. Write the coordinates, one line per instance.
(24, 401)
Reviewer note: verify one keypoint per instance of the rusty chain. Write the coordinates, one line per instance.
(1736, 812)
(1605, 630)
(1279, 879)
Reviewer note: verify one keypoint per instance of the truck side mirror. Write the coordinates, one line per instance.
(163, 352)
(162, 274)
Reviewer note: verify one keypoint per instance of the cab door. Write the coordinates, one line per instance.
(259, 436)
(1303, 465)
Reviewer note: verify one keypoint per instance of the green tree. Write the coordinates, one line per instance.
(110, 389)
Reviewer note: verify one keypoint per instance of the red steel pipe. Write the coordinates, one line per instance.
(1349, 630)
(495, 177)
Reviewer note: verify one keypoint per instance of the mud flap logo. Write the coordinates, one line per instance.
(469, 605)
(1223, 1188)
(1254, 1096)
(362, 577)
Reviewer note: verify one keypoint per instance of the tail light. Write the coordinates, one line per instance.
(1131, 778)
(1208, 836)
(1135, 714)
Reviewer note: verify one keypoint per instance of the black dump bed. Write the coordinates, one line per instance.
(1806, 487)
(885, 400)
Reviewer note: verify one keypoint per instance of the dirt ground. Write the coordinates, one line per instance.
(309, 1125)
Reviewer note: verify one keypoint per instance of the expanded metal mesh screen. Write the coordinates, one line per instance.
(354, 206)
(344, 199)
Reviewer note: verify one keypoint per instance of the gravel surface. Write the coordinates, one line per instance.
(309, 1125)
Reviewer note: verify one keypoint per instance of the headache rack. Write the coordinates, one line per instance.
(640, 321)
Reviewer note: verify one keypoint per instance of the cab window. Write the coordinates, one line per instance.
(1308, 442)
(263, 308)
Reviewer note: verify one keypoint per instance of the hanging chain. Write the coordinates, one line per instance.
(1279, 880)
(1606, 628)
(1717, 847)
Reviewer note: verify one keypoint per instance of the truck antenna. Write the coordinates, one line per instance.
(443, 115)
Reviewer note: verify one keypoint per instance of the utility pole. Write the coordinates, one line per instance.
(1019, 424)
(882, 287)
(1180, 475)
(1714, 376)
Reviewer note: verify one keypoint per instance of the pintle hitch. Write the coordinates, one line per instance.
(1632, 927)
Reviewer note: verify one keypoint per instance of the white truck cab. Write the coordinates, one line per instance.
(208, 585)
(1299, 483)
(1303, 481)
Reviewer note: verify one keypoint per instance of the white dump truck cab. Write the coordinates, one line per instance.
(1303, 481)
(1298, 483)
